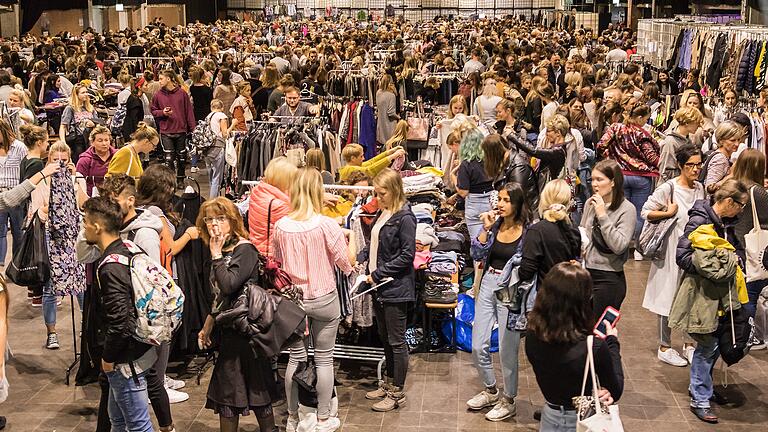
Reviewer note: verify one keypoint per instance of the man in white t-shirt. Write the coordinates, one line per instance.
(616, 54)
(215, 156)
(474, 64)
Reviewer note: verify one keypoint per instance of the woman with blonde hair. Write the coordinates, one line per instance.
(270, 202)
(399, 139)
(77, 120)
(128, 159)
(573, 81)
(66, 276)
(717, 166)
(310, 246)
(386, 109)
(553, 239)
(484, 107)
(390, 254)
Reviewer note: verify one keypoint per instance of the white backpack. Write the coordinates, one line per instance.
(158, 300)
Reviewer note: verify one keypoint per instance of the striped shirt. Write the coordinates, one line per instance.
(10, 164)
(309, 252)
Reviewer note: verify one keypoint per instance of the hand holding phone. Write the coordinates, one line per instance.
(606, 325)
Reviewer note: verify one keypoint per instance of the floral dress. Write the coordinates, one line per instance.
(67, 273)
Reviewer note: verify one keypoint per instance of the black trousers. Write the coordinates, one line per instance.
(608, 289)
(158, 397)
(391, 321)
(175, 152)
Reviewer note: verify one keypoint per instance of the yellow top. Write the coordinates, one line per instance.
(370, 167)
(126, 161)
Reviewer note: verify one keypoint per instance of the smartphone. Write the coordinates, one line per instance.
(612, 316)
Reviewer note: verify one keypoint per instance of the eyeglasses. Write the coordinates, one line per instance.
(694, 165)
(739, 203)
(219, 219)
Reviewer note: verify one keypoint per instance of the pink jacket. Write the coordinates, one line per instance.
(261, 195)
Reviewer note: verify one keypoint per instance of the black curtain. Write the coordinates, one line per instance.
(32, 9)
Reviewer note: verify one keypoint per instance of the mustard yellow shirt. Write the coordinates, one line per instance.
(370, 167)
(126, 161)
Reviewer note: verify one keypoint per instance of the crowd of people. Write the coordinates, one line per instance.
(558, 161)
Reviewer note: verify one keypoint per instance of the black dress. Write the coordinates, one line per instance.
(240, 382)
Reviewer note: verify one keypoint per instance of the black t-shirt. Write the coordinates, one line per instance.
(471, 176)
(501, 252)
(201, 101)
(30, 167)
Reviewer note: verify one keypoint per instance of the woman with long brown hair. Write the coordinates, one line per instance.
(241, 382)
(556, 346)
(750, 169)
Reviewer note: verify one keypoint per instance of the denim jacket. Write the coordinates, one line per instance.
(509, 279)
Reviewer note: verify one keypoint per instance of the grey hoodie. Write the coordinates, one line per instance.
(668, 168)
(146, 228)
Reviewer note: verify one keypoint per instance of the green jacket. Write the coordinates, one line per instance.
(701, 296)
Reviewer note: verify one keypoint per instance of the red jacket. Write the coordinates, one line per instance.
(261, 195)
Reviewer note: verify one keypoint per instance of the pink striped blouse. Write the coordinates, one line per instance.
(309, 251)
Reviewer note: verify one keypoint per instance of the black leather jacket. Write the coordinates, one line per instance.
(552, 160)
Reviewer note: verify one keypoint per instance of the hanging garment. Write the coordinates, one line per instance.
(761, 69)
(67, 273)
(367, 129)
(194, 280)
(741, 75)
(719, 61)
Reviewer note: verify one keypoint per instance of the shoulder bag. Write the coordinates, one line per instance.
(591, 415)
(276, 279)
(756, 245)
(418, 129)
(652, 242)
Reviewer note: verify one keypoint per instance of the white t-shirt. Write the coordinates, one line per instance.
(616, 55)
(215, 120)
(373, 254)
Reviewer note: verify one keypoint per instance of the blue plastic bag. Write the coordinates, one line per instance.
(465, 317)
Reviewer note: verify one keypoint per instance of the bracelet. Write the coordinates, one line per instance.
(217, 257)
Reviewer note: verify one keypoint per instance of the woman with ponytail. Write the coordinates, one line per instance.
(127, 160)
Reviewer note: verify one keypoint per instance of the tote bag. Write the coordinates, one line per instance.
(30, 265)
(652, 243)
(604, 419)
(756, 246)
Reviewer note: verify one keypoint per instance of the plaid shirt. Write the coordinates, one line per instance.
(9, 167)
(632, 147)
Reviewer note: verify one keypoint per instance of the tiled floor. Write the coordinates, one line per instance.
(438, 385)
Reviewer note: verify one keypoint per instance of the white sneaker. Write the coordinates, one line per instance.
(638, 256)
(293, 422)
(688, 353)
(329, 425)
(173, 384)
(175, 396)
(194, 169)
(671, 356)
(501, 411)
(483, 399)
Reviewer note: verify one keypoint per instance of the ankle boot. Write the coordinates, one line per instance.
(395, 399)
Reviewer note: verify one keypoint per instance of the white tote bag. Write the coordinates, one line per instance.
(756, 246)
(603, 420)
(230, 152)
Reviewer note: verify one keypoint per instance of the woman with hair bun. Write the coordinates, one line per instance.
(94, 162)
(553, 239)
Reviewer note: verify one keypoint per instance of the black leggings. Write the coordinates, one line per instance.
(391, 321)
(175, 152)
(158, 397)
(608, 289)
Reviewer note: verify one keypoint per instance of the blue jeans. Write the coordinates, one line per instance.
(128, 404)
(489, 312)
(216, 166)
(637, 189)
(704, 358)
(753, 291)
(16, 215)
(49, 302)
(474, 205)
(553, 420)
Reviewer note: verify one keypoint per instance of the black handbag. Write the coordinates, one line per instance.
(30, 265)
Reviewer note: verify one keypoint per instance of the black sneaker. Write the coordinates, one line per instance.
(52, 343)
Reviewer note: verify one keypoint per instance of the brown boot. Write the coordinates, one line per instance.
(395, 399)
(380, 392)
